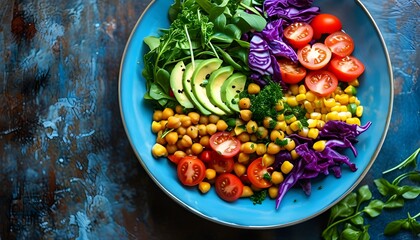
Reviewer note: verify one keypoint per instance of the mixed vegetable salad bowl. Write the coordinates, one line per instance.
(256, 114)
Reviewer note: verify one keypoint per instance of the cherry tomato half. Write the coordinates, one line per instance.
(325, 23)
(340, 44)
(191, 171)
(225, 144)
(298, 34)
(321, 82)
(314, 57)
(229, 187)
(221, 164)
(291, 72)
(206, 156)
(346, 68)
(256, 171)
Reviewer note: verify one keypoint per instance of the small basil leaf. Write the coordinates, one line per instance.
(350, 234)
(374, 208)
(394, 227)
(364, 194)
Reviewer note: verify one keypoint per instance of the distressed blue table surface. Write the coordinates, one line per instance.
(67, 170)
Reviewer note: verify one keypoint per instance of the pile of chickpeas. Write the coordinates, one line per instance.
(181, 134)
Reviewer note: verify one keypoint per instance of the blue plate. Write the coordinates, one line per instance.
(375, 93)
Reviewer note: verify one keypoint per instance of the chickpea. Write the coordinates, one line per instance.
(269, 123)
(276, 135)
(251, 127)
(277, 177)
(171, 148)
(173, 122)
(156, 127)
(243, 137)
(159, 139)
(186, 141)
(157, 115)
(260, 149)
(181, 131)
(159, 150)
(273, 192)
(268, 159)
(204, 120)
(273, 148)
(243, 158)
(167, 112)
(245, 114)
(239, 169)
(211, 128)
(248, 147)
(204, 187)
(205, 141)
(179, 109)
(253, 88)
(213, 118)
(221, 125)
(195, 117)
(196, 148)
(180, 153)
(244, 103)
(262, 132)
(186, 121)
(192, 131)
(247, 192)
(202, 130)
(171, 138)
(210, 173)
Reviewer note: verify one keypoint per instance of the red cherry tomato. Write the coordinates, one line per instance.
(340, 44)
(298, 34)
(325, 23)
(291, 72)
(191, 171)
(321, 82)
(221, 164)
(256, 171)
(225, 144)
(228, 187)
(314, 57)
(346, 68)
(206, 156)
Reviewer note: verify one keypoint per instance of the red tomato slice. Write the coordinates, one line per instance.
(321, 82)
(229, 187)
(291, 72)
(325, 23)
(298, 34)
(225, 144)
(221, 164)
(256, 172)
(340, 44)
(347, 68)
(314, 57)
(191, 171)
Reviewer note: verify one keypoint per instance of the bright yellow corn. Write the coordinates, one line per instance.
(302, 89)
(286, 167)
(313, 133)
(359, 111)
(296, 125)
(291, 101)
(319, 145)
(353, 120)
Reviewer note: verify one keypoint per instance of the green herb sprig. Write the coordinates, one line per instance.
(347, 218)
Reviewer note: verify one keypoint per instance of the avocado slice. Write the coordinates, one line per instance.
(214, 87)
(177, 87)
(231, 89)
(199, 81)
(186, 83)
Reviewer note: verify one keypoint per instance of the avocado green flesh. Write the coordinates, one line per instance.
(231, 89)
(199, 81)
(177, 86)
(214, 87)
(187, 84)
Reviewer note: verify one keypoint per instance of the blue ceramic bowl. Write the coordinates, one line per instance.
(375, 93)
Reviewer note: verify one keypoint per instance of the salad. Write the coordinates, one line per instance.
(253, 98)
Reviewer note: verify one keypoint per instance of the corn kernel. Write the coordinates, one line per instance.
(268, 160)
(296, 125)
(294, 154)
(300, 97)
(286, 167)
(354, 83)
(204, 187)
(359, 111)
(319, 145)
(332, 116)
(290, 144)
(311, 122)
(308, 106)
(294, 89)
(279, 105)
(350, 90)
(343, 108)
(281, 125)
(343, 116)
(336, 108)
(291, 101)
(313, 133)
(320, 124)
(310, 96)
(329, 103)
(316, 115)
(352, 99)
(290, 119)
(280, 117)
(302, 89)
(303, 132)
(353, 120)
(343, 99)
